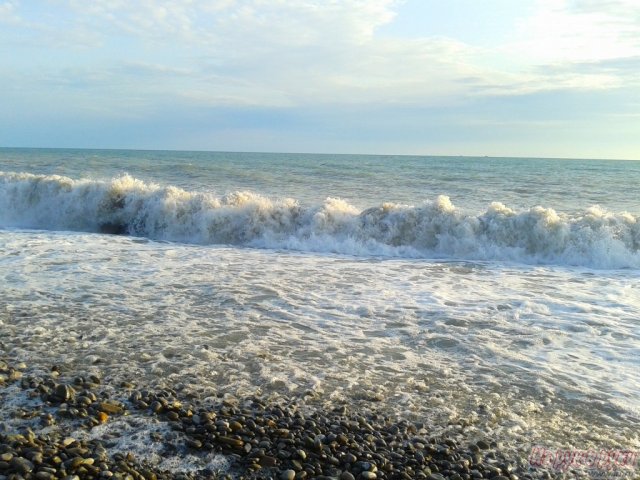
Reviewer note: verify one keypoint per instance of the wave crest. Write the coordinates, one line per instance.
(594, 238)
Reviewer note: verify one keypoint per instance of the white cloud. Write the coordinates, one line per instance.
(6, 8)
(561, 31)
(283, 53)
(291, 53)
(8, 12)
(303, 22)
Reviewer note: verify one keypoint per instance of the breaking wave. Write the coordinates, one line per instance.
(595, 238)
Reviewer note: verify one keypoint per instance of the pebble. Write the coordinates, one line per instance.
(21, 465)
(173, 416)
(483, 445)
(194, 443)
(108, 407)
(44, 476)
(62, 393)
(268, 461)
(288, 475)
(435, 476)
(350, 458)
(234, 442)
(68, 441)
(102, 417)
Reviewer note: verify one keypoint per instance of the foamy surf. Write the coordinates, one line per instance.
(516, 353)
(537, 357)
(594, 238)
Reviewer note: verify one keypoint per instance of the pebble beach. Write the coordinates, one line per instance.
(70, 427)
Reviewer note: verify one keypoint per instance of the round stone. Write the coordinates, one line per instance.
(194, 443)
(288, 475)
(22, 465)
(64, 392)
(173, 416)
(350, 458)
(482, 445)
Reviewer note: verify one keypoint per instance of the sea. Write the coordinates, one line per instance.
(501, 294)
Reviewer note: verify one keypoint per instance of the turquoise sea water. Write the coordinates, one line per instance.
(363, 180)
(501, 291)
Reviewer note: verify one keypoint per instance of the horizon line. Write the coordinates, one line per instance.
(515, 157)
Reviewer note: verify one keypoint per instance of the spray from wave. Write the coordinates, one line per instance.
(595, 238)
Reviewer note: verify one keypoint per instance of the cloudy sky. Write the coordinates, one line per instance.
(553, 78)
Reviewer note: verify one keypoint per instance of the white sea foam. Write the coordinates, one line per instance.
(595, 238)
(133, 436)
(544, 353)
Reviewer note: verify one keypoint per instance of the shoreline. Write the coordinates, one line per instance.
(70, 426)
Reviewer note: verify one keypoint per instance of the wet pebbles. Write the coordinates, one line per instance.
(285, 439)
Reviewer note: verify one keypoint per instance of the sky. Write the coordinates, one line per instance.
(532, 78)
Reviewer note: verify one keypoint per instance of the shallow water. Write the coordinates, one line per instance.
(425, 338)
